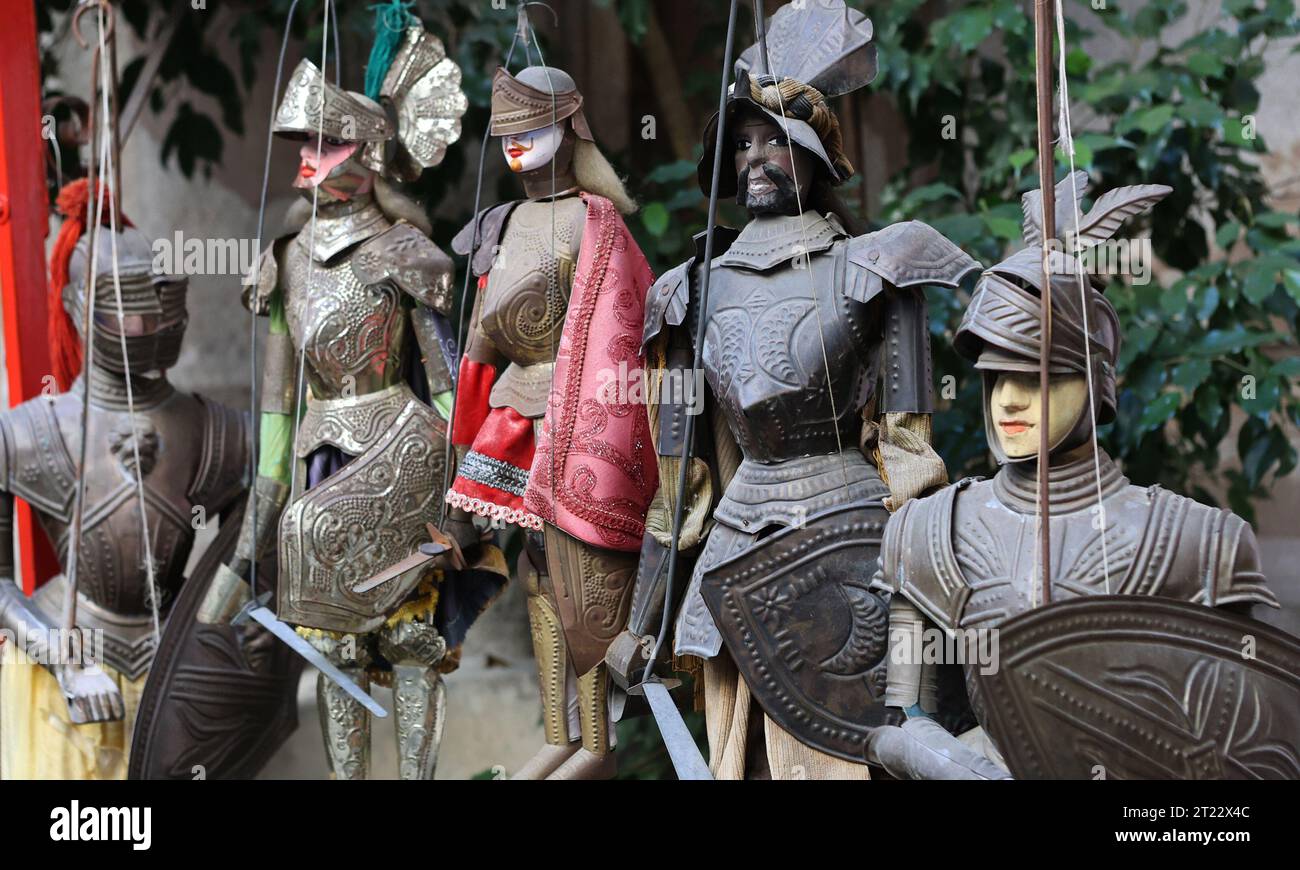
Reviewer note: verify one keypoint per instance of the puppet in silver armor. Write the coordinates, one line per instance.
(192, 457)
(540, 444)
(965, 559)
(816, 355)
(351, 466)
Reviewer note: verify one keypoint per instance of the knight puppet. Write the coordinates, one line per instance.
(356, 385)
(1127, 672)
(816, 418)
(550, 433)
(67, 719)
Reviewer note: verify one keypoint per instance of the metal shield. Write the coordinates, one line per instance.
(806, 632)
(360, 520)
(220, 699)
(1135, 687)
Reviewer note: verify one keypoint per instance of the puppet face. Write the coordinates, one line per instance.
(330, 167)
(768, 167)
(525, 152)
(1015, 407)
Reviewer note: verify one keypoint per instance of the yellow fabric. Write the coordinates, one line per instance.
(38, 741)
(908, 464)
(699, 484)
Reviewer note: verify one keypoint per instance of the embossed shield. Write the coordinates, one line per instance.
(806, 632)
(219, 700)
(364, 518)
(1134, 687)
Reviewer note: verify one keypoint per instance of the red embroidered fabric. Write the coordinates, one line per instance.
(595, 470)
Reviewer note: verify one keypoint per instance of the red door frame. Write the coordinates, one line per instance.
(24, 223)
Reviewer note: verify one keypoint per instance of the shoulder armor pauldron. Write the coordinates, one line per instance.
(669, 296)
(1200, 553)
(904, 255)
(491, 223)
(407, 257)
(261, 282)
(666, 301)
(41, 471)
(223, 465)
(918, 559)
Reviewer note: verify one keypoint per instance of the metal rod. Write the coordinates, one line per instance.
(760, 35)
(701, 313)
(1043, 18)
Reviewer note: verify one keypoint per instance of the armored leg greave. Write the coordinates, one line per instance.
(548, 647)
(345, 725)
(592, 589)
(415, 648)
(420, 699)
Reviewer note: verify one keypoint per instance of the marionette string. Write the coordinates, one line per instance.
(109, 159)
(311, 246)
(255, 283)
(73, 203)
(1067, 142)
(465, 301)
(779, 94)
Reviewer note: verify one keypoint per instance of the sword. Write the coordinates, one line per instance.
(426, 553)
(268, 620)
(682, 749)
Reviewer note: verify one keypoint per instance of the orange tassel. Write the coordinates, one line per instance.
(64, 343)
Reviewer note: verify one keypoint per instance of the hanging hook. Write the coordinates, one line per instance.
(82, 9)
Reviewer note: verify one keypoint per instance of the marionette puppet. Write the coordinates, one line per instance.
(355, 389)
(814, 343)
(546, 435)
(1135, 667)
(116, 463)
(87, 458)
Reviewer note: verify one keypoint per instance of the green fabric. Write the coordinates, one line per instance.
(442, 403)
(276, 430)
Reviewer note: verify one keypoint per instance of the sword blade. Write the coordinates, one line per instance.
(685, 755)
(268, 620)
(394, 570)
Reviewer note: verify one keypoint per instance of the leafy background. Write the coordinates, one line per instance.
(1207, 403)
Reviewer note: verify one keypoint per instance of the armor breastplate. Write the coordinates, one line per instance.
(523, 307)
(353, 334)
(966, 556)
(774, 332)
(193, 454)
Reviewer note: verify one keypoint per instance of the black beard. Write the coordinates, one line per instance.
(783, 200)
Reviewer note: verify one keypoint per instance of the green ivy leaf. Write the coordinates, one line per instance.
(1149, 120)
(1160, 411)
(1191, 374)
(655, 218)
(1227, 234)
(1022, 158)
(1204, 63)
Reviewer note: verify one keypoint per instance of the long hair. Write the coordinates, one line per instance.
(595, 175)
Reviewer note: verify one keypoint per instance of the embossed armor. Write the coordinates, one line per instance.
(810, 333)
(560, 288)
(193, 455)
(352, 471)
(792, 352)
(192, 461)
(966, 560)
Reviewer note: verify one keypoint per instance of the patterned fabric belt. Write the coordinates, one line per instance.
(494, 472)
(352, 423)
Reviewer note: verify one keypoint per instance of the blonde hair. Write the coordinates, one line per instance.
(595, 175)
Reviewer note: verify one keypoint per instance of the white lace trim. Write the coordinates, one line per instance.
(518, 516)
